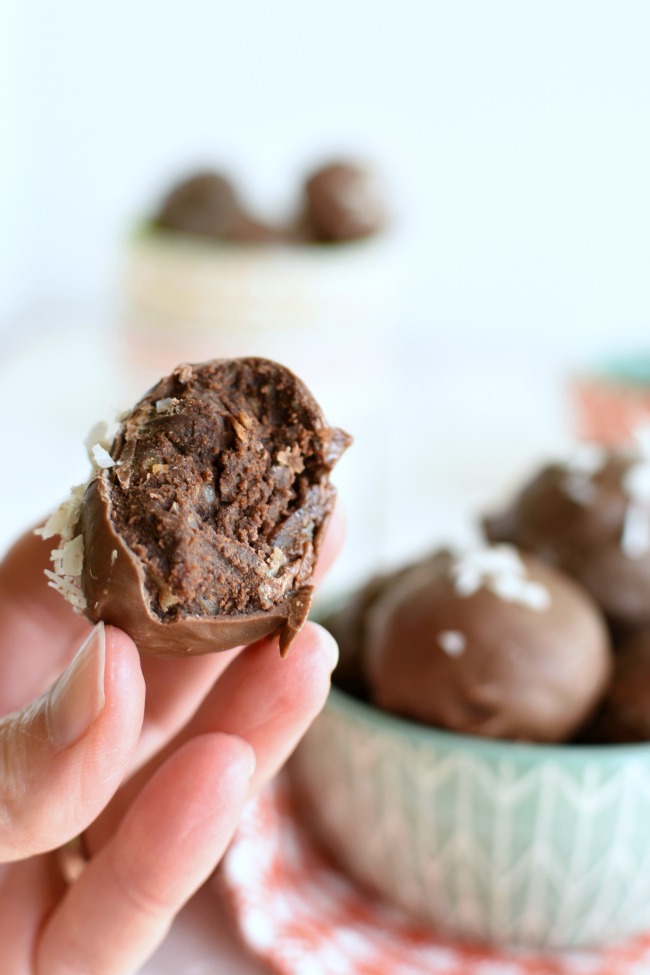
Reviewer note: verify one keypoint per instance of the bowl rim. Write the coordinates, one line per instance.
(494, 748)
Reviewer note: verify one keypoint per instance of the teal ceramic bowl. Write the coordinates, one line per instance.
(536, 845)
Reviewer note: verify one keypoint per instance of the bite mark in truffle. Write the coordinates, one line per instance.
(204, 533)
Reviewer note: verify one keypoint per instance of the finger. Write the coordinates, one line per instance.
(267, 700)
(34, 618)
(175, 689)
(168, 844)
(63, 756)
(29, 892)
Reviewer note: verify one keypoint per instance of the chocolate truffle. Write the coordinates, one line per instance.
(348, 622)
(591, 517)
(344, 202)
(205, 205)
(625, 713)
(201, 528)
(489, 643)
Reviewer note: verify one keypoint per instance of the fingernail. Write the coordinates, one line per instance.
(252, 761)
(77, 698)
(330, 648)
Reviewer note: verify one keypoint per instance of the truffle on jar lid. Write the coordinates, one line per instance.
(489, 643)
(201, 526)
(590, 516)
(345, 202)
(205, 204)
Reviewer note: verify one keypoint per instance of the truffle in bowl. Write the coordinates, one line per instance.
(511, 842)
(590, 516)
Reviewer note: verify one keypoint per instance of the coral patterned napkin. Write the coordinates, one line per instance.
(301, 915)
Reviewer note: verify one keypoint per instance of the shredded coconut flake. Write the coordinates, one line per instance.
(102, 435)
(580, 487)
(240, 429)
(636, 482)
(586, 460)
(69, 559)
(276, 561)
(641, 437)
(453, 642)
(500, 570)
(589, 458)
(168, 599)
(68, 590)
(291, 457)
(98, 434)
(635, 536)
(101, 457)
(63, 521)
(166, 404)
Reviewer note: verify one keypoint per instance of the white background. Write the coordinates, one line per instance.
(515, 135)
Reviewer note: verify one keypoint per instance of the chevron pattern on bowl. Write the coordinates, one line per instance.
(509, 843)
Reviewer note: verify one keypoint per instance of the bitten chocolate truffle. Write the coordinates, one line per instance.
(344, 202)
(201, 528)
(590, 516)
(489, 643)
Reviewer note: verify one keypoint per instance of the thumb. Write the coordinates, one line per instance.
(63, 756)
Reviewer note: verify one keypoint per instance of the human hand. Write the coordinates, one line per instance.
(212, 730)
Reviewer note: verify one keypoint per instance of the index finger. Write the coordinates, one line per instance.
(38, 629)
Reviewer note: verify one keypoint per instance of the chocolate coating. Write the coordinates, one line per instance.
(578, 519)
(482, 664)
(625, 713)
(205, 533)
(344, 202)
